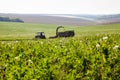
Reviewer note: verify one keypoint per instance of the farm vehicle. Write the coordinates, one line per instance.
(40, 35)
(69, 33)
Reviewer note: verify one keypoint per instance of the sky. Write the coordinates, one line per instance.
(60, 6)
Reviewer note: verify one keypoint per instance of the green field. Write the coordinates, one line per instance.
(28, 30)
(93, 54)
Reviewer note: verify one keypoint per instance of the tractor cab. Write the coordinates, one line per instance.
(40, 35)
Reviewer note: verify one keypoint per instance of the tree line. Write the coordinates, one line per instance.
(7, 19)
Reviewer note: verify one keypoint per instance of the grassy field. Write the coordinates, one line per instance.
(93, 54)
(27, 30)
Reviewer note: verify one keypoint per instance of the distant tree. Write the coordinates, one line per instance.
(4, 19)
(1, 18)
(7, 19)
(17, 20)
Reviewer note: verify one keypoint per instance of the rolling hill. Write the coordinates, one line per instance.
(66, 19)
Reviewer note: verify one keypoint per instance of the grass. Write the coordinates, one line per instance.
(21, 30)
(9, 30)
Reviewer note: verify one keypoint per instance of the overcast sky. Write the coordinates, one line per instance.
(60, 6)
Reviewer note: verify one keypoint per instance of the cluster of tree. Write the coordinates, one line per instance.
(7, 19)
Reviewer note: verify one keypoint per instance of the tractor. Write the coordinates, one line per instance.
(40, 35)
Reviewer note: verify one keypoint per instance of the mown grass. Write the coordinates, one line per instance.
(9, 30)
(21, 30)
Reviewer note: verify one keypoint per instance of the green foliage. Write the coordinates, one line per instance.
(7, 19)
(93, 54)
(80, 58)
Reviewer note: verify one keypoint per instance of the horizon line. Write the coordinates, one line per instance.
(60, 13)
